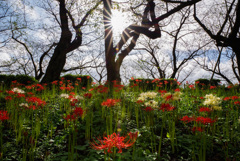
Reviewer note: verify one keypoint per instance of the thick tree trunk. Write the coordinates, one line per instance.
(236, 49)
(110, 53)
(55, 65)
(58, 59)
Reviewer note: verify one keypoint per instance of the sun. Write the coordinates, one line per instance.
(119, 21)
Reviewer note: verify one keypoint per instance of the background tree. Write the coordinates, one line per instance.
(70, 21)
(222, 27)
(149, 27)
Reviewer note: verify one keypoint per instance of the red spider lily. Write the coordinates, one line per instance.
(201, 98)
(166, 107)
(20, 95)
(155, 80)
(204, 109)
(33, 107)
(114, 140)
(196, 82)
(68, 88)
(119, 86)
(88, 77)
(10, 92)
(191, 86)
(29, 87)
(237, 103)
(166, 82)
(231, 98)
(55, 82)
(226, 98)
(194, 129)
(39, 87)
(204, 120)
(148, 109)
(70, 117)
(8, 98)
(30, 93)
(187, 119)
(168, 98)
(73, 101)
(103, 89)
(213, 87)
(88, 95)
(162, 91)
(78, 112)
(177, 90)
(235, 97)
(36, 100)
(79, 79)
(110, 102)
(4, 115)
(139, 102)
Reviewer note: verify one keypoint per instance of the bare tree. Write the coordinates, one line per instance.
(70, 39)
(225, 30)
(213, 62)
(149, 27)
(170, 63)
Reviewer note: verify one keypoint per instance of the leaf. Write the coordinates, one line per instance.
(168, 135)
(79, 147)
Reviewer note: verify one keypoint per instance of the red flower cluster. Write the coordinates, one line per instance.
(162, 91)
(16, 95)
(68, 88)
(36, 102)
(213, 87)
(38, 87)
(237, 102)
(187, 119)
(88, 95)
(8, 98)
(166, 107)
(110, 102)
(204, 120)
(148, 109)
(204, 109)
(168, 98)
(191, 86)
(139, 102)
(118, 87)
(194, 129)
(115, 140)
(100, 89)
(231, 98)
(77, 112)
(3, 115)
(199, 119)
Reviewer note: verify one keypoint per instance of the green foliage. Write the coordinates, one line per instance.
(7, 80)
(151, 84)
(83, 80)
(46, 133)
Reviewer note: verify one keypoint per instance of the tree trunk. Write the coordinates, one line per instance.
(236, 50)
(113, 74)
(55, 65)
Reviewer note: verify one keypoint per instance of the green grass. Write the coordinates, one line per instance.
(47, 123)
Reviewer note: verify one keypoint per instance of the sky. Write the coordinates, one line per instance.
(128, 70)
